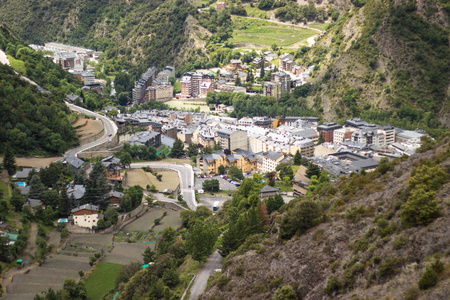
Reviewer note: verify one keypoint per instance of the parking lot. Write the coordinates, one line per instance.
(208, 200)
(223, 184)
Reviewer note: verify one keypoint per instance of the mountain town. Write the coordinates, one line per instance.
(224, 150)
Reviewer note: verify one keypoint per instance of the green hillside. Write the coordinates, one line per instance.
(32, 122)
(386, 62)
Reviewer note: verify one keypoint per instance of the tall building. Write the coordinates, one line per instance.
(272, 89)
(143, 83)
(196, 84)
(284, 79)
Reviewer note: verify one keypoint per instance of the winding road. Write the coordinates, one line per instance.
(109, 126)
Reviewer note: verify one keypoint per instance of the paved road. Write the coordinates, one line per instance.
(110, 129)
(185, 174)
(214, 262)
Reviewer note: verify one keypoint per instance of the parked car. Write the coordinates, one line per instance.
(189, 186)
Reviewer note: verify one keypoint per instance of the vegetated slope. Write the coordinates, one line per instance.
(133, 34)
(388, 62)
(379, 234)
(32, 122)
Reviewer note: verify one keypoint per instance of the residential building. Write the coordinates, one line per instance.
(270, 161)
(114, 198)
(297, 70)
(343, 134)
(161, 92)
(113, 168)
(146, 138)
(243, 160)
(196, 84)
(221, 6)
(284, 79)
(143, 83)
(232, 139)
(305, 146)
(327, 130)
(286, 62)
(74, 163)
(69, 60)
(185, 136)
(77, 191)
(268, 191)
(86, 216)
(272, 89)
(234, 64)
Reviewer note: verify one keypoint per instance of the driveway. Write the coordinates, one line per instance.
(213, 263)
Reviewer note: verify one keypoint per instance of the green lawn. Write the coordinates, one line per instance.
(199, 3)
(321, 26)
(177, 86)
(17, 65)
(102, 280)
(260, 32)
(6, 190)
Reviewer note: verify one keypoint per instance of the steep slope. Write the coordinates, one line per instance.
(32, 122)
(365, 247)
(387, 62)
(133, 33)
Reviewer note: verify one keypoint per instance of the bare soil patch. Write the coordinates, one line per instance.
(34, 162)
(126, 253)
(140, 177)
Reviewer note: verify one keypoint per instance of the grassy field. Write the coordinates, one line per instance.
(199, 3)
(321, 26)
(177, 86)
(263, 33)
(140, 177)
(256, 12)
(102, 280)
(17, 65)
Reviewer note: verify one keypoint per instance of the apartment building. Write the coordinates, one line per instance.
(146, 138)
(244, 160)
(162, 92)
(272, 89)
(286, 62)
(305, 146)
(232, 139)
(143, 83)
(195, 84)
(343, 134)
(284, 79)
(270, 161)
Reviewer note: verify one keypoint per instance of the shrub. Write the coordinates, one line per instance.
(285, 293)
(334, 266)
(428, 279)
(157, 221)
(437, 266)
(411, 294)
(400, 242)
(390, 267)
(222, 281)
(421, 208)
(276, 282)
(332, 285)
(239, 270)
(350, 273)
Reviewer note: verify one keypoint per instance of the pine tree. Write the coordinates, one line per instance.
(298, 158)
(237, 81)
(9, 161)
(262, 69)
(97, 186)
(201, 239)
(321, 139)
(36, 188)
(177, 150)
(64, 204)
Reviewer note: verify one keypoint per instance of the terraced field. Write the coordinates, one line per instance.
(144, 223)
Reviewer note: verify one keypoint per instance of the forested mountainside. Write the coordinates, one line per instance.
(387, 61)
(31, 121)
(134, 34)
(380, 235)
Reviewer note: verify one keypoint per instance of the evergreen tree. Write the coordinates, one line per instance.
(177, 149)
(274, 203)
(36, 188)
(17, 200)
(9, 161)
(148, 255)
(192, 150)
(97, 187)
(262, 69)
(237, 81)
(312, 170)
(64, 205)
(297, 158)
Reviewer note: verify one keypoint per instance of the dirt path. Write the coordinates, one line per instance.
(31, 244)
